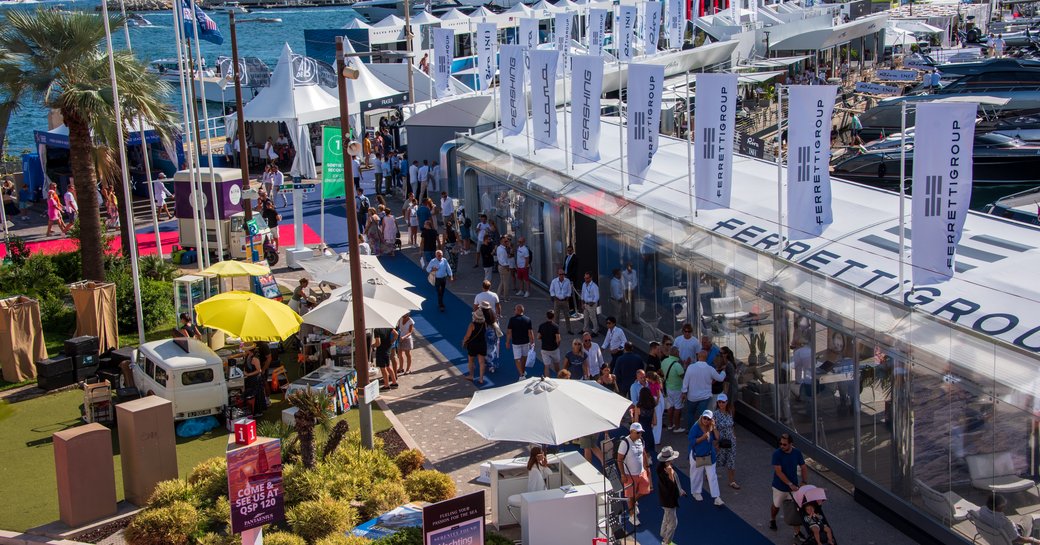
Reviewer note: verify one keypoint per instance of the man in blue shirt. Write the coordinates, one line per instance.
(625, 368)
(442, 272)
(788, 463)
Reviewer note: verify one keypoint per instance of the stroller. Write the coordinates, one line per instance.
(808, 501)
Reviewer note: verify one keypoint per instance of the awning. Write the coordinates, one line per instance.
(759, 77)
(916, 27)
(824, 38)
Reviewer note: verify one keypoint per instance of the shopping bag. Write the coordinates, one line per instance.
(531, 358)
(432, 278)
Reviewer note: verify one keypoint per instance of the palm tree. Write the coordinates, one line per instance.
(56, 58)
(313, 409)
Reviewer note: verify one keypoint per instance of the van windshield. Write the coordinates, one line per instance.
(199, 376)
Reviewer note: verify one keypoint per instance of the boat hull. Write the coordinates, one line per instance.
(1019, 167)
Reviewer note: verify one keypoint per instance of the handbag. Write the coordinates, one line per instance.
(532, 358)
(432, 278)
(725, 443)
(702, 461)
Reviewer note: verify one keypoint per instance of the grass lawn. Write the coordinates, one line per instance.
(27, 454)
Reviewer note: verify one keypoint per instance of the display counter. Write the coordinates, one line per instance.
(559, 515)
(509, 477)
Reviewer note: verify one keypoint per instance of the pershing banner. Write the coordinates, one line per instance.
(543, 97)
(713, 139)
(563, 26)
(487, 39)
(513, 97)
(942, 175)
(651, 27)
(811, 109)
(675, 22)
(443, 55)
(623, 30)
(597, 27)
(528, 36)
(645, 86)
(586, 87)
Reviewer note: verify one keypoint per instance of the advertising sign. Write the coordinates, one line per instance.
(753, 146)
(897, 75)
(487, 39)
(332, 162)
(876, 88)
(624, 26)
(454, 521)
(808, 158)
(513, 92)
(443, 56)
(255, 483)
(651, 27)
(586, 86)
(645, 81)
(597, 24)
(543, 97)
(714, 120)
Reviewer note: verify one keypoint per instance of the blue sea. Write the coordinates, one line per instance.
(263, 40)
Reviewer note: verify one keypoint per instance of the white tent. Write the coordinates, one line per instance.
(522, 10)
(567, 5)
(481, 14)
(425, 18)
(356, 23)
(454, 15)
(898, 37)
(391, 21)
(396, 76)
(543, 6)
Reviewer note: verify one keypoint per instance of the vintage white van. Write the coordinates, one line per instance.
(184, 371)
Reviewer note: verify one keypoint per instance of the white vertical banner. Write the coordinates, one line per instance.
(597, 27)
(564, 26)
(586, 88)
(713, 124)
(754, 10)
(645, 85)
(513, 95)
(734, 10)
(942, 175)
(543, 97)
(443, 55)
(651, 27)
(487, 39)
(675, 22)
(528, 36)
(810, 110)
(623, 32)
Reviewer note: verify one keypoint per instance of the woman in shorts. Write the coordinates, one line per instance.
(405, 343)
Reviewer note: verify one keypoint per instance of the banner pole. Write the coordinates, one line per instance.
(209, 145)
(188, 134)
(779, 167)
(495, 89)
(568, 162)
(689, 146)
(621, 130)
(902, 194)
(429, 76)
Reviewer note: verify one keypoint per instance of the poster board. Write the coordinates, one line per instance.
(255, 483)
(458, 520)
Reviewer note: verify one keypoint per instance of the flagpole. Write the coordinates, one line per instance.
(430, 74)
(689, 145)
(186, 138)
(528, 122)
(209, 144)
(469, 28)
(126, 174)
(200, 195)
(495, 89)
(621, 115)
(902, 194)
(779, 167)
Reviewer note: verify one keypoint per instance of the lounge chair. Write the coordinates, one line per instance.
(995, 472)
(947, 506)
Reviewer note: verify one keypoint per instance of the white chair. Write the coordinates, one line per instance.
(989, 534)
(947, 506)
(513, 504)
(995, 472)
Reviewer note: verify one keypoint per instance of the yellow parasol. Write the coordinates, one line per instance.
(237, 268)
(248, 316)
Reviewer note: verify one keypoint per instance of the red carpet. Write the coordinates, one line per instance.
(146, 242)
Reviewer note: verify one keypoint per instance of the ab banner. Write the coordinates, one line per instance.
(625, 25)
(675, 23)
(543, 97)
(586, 87)
(511, 90)
(332, 163)
(455, 521)
(487, 39)
(941, 188)
(651, 27)
(597, 24)
(443, 55)
(255, 483)
(713, 139)
(528, 36)
(645, 85)
(810, 108)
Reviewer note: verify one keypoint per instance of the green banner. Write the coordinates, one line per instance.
(332, 163)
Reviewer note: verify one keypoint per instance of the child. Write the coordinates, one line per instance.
(817, 523)
(24, 196)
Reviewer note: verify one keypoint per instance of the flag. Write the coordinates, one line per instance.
(651, 27)
(597, 24)
(528, 36)
(487, 39)
(543, 97)
(332, 173)
(443, 55)
(563, 36)
(207, 27)
(942, 178)
(623, 27)
(713, 119)
(645, 85)
(513, 92)
(734, 10)
(586, 87)
(811, 109)
(675, 23)
(308, 71)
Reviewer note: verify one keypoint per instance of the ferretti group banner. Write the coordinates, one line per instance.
(564, 22)
(713, 139)
(597, 27)
(811, 109)
(528, 36)
(645, 85)
(651, 27)
(487, 39)
(511, 87)
(586, 87)
(942, 175)
(543, 97)
(623, 29)
(674, 22)
(443, 55)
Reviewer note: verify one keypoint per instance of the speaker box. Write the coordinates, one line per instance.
(85, 373)
(57, 381)
(82, 346)
(52, 367)
(89, 361)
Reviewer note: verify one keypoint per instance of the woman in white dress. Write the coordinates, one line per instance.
(537, 470)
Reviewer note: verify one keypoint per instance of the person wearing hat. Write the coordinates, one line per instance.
(669, 491)
(727, 439)
(703, 454)
(634, 464)
(475, 343)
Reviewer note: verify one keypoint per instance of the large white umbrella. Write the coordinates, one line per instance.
(336, 314)
(379, 290)
(544, 411)
(336, 270)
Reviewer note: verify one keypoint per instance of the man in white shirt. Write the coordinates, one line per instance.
(634, 463)
(504, 272)
(413, 178)
(559, 292)
(594, 353)
(523, 267)
(277, 179)
(377, 166)
(482, 230)
(617, 294)
(688, 345)
(159, 193)
(630, 281)
(356, 167)
(696, 387)
(639, 384)
(71, 207)
(589, 304)
(489, 296)
(386, 168)
(447, 208)
(229, 152)
(424, 178)
(614, 340)
(435, 176)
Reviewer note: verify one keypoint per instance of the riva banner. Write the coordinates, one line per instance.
(586, 87)
(511, 86)
(528, 36)
(651, 27)
(597, 27)
(675, 22)
(487, 40)
(564, 22)
(443, 55)
(645, 85)
(941, 188)
(713, 139)
(543, 97)
(623, 28)
(811, 109)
